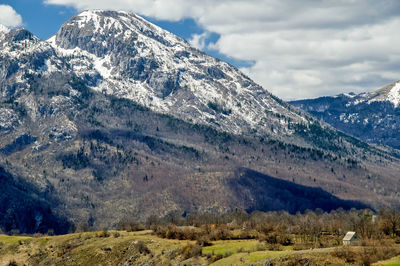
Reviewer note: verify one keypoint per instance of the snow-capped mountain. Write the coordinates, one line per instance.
(121, 54)
(374, 117)
(389, 93)
(114, 117)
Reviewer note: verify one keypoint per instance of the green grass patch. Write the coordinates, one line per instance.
(13, 239)
(261, 255)
(249, 258)
(390, 262)
(228, 247)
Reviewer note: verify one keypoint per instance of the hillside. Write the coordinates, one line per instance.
(373, 117)
(133, 248)
(114, 117)
(235, 238)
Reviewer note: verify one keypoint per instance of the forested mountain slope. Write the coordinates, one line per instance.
(114, 117)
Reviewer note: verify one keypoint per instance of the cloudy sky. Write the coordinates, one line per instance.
(294, 48)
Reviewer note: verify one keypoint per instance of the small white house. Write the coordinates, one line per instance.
(350, 238)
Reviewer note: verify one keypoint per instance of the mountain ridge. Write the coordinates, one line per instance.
(128, 126)
(373, 117)
(216, 100)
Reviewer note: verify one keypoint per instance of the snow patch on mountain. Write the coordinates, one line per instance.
(86, 17)
(103, 66)
(348, 95)
(3, 30)
(123, 55)
(394, 94)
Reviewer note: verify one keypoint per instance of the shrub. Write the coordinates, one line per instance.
(131, 226)
(276, 238)
(60, 253)
(262, 237)
(202, 235)
(142, 248)
(203, 241)
(12, 263)
(298, 260)
(181, 233)
(344, 253)
(103, 233)
(247, 234)
(159, 230)
(285, 240)
(260, 247)
(274, 247)
(190, 250)
(265, 228)
(220, 234)
(271, 238)
(215, 257)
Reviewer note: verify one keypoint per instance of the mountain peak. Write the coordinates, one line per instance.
(104, 27)
(373, 116)
(97, 17)
(10, 38)
(122, 54)
(389, 93)
(91, 13)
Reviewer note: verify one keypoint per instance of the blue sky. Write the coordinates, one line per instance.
(293, 48)
(41, 19)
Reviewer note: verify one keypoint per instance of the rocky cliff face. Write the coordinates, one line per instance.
(373, 117)
(114, 117)
(122, 54)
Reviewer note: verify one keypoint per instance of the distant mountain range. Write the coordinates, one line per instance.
(373, 117)
(114, 118)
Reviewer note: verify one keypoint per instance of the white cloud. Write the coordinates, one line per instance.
(9, 17)
(199, 40)
(301, 48)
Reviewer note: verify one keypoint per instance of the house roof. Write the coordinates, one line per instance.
(349, 236)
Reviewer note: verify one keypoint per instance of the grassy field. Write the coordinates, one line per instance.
(228, 247)
(92, 249)
(132, 248)
(13, 239)
(259, 257)
(390, 262)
